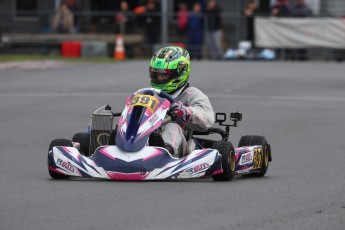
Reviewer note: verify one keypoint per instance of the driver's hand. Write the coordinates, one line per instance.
(178, 109)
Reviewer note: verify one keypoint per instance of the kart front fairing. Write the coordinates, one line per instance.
(149, 163)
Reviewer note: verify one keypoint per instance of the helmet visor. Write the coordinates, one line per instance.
(162, 76)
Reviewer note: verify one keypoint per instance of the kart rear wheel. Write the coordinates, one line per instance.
(250, 140)
(84, 140)
(58, 142)
(228, 160)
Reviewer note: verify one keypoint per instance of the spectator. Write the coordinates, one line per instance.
(301, 9)
(182, 18)
(213, 31)
(123, 20)
(152, 22)
(72, 6)
(339, 54)
(249, 11)
(195, 31)
(280, 8)
(63, 20)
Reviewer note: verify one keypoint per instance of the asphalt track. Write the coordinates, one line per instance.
(299, 107)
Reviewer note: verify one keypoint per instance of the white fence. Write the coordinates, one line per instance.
(300, 32)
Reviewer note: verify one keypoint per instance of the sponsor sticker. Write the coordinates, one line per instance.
(243, 171)
(246, 158)
(66, 165)
(198, 168)
(153, 119)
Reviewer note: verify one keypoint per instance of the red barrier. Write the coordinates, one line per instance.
(70, 48)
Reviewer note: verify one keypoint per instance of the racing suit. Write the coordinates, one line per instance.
(201, 118)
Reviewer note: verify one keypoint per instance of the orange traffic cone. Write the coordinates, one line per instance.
(119, 52)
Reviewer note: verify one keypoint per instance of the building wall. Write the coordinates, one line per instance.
(10, 23)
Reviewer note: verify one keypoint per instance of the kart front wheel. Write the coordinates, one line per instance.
(57, 142)
(250, 140)
(228, 160)
(84, 140)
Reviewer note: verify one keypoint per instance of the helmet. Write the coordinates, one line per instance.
(170, 69)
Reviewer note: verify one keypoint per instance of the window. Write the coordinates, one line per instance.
(25, 8)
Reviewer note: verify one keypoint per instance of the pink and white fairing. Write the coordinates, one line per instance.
(150, 163)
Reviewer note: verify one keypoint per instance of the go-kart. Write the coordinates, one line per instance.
(132, 148)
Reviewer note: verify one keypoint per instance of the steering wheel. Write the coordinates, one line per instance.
(152, 91)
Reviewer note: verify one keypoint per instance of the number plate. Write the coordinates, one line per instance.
(257, 161)
(147, 101)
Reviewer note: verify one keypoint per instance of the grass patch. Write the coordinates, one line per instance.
(11, 58)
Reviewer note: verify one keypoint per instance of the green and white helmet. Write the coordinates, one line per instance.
(170, 68)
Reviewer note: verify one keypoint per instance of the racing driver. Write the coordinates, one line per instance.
(192, 111)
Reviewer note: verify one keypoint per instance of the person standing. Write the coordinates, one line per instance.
(182, 19)
(195, 31)
(73, 7)
(249, 12)
(213, 30)
(281, 8)
(123, 19)
(152, 22)
(300, 9)
(63, 20)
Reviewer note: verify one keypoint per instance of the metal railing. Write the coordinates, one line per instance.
(103, 23)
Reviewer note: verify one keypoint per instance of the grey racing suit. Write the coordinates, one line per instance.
(201, 118)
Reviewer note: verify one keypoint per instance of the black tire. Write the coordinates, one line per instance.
(228, 160)
(84, 140)
(58, 142)
(250, 140)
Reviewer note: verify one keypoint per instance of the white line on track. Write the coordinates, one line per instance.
(285, 98)
(219, 96)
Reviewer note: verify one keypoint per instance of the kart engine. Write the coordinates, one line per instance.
(101, 126)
